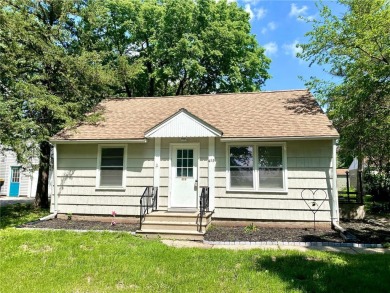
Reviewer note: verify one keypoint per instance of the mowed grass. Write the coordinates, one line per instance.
(62, 261)
(17, 214)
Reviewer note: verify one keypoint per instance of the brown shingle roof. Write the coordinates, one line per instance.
(292, 113)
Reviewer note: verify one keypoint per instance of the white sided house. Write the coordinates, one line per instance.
(266, 156)
(15, 181)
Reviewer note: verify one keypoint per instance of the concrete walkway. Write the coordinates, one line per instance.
(350, 250)
(6, 200)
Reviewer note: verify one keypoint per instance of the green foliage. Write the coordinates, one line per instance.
(174, 47)
(355, 47)
(377, 184)
(250, 228)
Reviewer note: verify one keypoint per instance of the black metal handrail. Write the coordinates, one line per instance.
(147, 202)
(203, 205)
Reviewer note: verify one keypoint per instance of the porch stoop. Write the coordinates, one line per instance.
(175, 225)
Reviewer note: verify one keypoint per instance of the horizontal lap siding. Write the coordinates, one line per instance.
(309, 165)
(164, 166)
(76, 180)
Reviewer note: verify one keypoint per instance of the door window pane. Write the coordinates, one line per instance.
(16, 174)
(185, 163)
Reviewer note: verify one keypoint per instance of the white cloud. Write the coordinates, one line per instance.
(271, 26)
(292, 49)
(230, 1)
(249, 11)
(260, 12)
(271, 48)
(252, 2)
(295, 11)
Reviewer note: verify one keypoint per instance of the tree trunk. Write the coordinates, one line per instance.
(42, 195)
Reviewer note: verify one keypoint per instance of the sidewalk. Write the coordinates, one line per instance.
(350, 250)
(6, 200)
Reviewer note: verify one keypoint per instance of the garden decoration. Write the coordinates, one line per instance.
(314, 199)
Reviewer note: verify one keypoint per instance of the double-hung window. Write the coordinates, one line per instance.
(112, 166)
(257, 167)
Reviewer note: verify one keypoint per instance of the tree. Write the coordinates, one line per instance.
(59, 58)
(356, 48)
(43, 86)
(176, 47)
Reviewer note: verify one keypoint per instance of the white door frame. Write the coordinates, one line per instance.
(196, 146)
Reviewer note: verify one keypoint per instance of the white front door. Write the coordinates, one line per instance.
(184, 176)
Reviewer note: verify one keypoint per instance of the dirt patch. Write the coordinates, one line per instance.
(369, 230)
(81, 225)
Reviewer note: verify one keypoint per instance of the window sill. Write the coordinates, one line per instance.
(110, 188)
(283, 191)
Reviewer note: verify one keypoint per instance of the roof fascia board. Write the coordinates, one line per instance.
(160, 125)
(107, 141)
(278, 138)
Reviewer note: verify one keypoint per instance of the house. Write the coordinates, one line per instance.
(257, 156)
(17, 181)
(342, 179)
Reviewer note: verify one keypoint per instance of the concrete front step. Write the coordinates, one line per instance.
(184, 226)
(175, 225)
(171, 234)
(165, 216)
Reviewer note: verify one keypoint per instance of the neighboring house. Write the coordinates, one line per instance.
(258, 153)
(342, 179)
(17, 182)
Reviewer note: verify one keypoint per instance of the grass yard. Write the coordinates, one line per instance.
(62, 261)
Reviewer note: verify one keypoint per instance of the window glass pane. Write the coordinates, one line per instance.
(184, 172)
(270, 167)
(185, 162)
(241, 177)
(179, 153)
(111, 176)
(184, 153)
(112, 152)
(271, 178)
(270, 156)
(112, 157)
(178, 172)
(190, 154)
(111, 169)
(112, 161)
(190, 162)
(190, 172)
(241, 156)
(179, 163)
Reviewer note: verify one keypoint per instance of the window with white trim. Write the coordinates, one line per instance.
(257, 167)
(111, 166)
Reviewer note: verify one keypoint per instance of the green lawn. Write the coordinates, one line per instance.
(59, 261)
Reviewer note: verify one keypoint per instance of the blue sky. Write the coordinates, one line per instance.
(278, 28)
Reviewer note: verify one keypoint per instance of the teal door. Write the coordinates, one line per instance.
(15, 181)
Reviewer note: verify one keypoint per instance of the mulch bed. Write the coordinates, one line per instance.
(366, 231)
(81, 225)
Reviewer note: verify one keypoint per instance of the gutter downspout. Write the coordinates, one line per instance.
(334, 211)
(55, 177)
